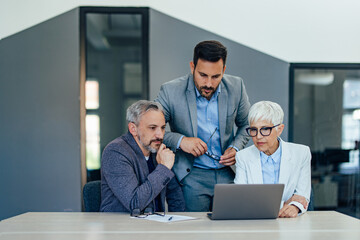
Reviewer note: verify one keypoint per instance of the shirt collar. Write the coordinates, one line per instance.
(218, 90)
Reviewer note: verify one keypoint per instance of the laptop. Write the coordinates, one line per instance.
(246, 201)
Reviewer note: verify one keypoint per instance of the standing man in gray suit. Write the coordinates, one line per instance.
(201, 109)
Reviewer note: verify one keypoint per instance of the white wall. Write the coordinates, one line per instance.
(292, 30)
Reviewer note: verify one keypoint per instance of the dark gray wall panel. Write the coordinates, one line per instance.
(40, 118)
(171, 49)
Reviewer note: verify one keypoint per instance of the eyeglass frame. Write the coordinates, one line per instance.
(207, 153)
(147, 212)
(213, 156)
(259, 130)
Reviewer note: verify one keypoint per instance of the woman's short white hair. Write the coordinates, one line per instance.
(267, 111)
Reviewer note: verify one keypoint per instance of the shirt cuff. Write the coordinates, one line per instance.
(298, 205)
(178, 144)
(232, 146)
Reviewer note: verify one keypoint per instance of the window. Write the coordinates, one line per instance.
(92, 141)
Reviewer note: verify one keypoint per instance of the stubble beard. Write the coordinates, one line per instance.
(148, 146)
(200, 89)
(208, 97)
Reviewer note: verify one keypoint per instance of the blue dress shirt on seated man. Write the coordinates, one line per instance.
(202, 109)
(136, 168)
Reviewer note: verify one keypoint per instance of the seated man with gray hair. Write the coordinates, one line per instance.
(271, 160)
(136, 174)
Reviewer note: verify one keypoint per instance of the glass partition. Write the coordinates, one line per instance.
(326, 117)
(116, 75)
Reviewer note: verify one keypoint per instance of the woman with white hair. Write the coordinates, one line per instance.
(271, 160)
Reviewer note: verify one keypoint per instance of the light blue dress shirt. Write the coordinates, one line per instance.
(271, 166)
(207, 122)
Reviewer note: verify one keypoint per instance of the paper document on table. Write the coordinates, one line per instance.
(168, 218)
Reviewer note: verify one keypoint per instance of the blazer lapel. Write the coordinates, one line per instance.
(222, 109)
(191, 101)
(139, 154)
(255, 166)
(285, 164)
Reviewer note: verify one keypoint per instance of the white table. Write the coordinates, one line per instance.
(65, 225)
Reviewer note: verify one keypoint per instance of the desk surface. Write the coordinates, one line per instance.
(65, 225)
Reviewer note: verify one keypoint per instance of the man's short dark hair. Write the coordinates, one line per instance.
(211, 51)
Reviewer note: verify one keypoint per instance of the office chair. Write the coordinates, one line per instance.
(92, 196)
(311, 203)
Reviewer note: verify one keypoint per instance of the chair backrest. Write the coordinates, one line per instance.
(311, 203)
(92, 196)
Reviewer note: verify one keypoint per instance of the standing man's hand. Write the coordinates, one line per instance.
(228, 158)
(165, 156)
(193, 145)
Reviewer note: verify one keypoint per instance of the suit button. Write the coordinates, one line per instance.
(188, 169)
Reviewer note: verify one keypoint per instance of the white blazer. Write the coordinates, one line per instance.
(295, 169)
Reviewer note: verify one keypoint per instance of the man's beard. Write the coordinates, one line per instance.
(148, 146)
(207, 88)
(200, 89)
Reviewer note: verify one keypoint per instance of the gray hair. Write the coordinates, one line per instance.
(266, 110)
(139, 108)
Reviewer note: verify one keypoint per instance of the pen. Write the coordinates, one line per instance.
(170, 218)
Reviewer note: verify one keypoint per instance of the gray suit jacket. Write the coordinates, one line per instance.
(126, 183)
(178, 98)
